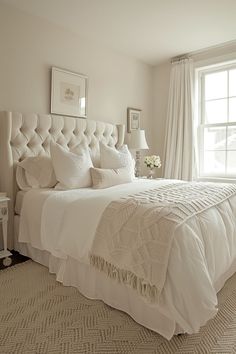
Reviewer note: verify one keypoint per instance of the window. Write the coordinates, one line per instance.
(217, 122)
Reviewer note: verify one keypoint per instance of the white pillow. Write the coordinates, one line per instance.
(35, 172)
(104, 178)
(116, 158)
(72, 168)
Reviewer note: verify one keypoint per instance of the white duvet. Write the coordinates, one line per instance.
(202, 256)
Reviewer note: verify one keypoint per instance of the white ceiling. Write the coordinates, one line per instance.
(150, 30)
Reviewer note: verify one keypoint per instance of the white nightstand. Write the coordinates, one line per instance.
(4, 219)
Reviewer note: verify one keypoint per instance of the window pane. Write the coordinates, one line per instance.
(231, 162)
(215, 138)
(232, 109)
(216, 111)
(214, 162)
(232, 82)
(231, 141)
(216, 85)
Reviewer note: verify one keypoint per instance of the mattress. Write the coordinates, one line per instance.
(19, 201)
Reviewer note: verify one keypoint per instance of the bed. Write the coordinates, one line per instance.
(201, 258)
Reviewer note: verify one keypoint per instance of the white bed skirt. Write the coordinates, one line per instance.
(73, 273)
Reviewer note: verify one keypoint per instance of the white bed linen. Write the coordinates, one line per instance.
(19, 201)
(199, 259)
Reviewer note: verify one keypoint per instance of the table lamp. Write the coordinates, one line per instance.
(138, 142)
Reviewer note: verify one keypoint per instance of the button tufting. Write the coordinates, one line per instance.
(32, 135)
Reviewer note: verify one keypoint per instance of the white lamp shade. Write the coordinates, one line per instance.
(138, 140)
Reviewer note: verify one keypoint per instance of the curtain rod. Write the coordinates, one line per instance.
(203, 50)
(179, 58)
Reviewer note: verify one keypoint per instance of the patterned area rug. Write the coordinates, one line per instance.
(39, 315)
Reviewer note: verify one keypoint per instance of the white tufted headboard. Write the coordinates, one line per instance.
(23, 135)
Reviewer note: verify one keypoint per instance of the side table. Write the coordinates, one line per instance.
(3, 220)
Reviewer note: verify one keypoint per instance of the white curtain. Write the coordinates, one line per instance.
(178, 160)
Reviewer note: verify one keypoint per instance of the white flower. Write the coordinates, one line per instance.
(152, 161)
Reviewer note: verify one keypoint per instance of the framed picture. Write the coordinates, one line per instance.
(133, 119)
(68, 93)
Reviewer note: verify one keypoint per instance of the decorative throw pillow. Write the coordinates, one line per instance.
(35, 172)
(116, 158)
(104, 178)
(72, 168)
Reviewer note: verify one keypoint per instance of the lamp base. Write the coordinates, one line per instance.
(137, 163)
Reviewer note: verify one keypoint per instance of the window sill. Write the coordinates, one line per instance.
(216, 179)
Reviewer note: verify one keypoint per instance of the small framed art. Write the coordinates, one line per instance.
(133, 119)
(68, 93)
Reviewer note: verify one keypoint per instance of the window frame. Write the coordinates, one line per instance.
(200, 115)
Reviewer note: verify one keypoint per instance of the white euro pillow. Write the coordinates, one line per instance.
(35, 172)
(72, 168)
(104, 178)
(116, 158)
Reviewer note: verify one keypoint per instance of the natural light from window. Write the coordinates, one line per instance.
(217, 122)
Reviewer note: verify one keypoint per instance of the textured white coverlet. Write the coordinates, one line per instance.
(202, 250)
(134, 236)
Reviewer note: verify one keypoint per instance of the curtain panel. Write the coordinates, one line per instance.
(178, 159)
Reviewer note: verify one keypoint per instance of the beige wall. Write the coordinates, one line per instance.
(30, 46)
(160, 100)
(215, 55)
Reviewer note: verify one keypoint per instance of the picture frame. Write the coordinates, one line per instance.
(133, 119)
(68, 93)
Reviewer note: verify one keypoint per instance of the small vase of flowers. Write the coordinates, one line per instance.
(152, 162)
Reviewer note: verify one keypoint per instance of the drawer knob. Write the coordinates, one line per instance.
(4, 211)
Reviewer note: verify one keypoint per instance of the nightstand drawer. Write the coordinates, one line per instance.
(3, 220)
(3, 210)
